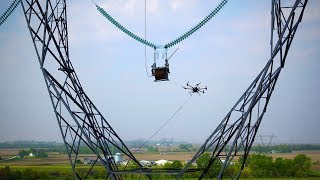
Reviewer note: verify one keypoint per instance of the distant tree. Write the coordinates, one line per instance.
(283, 167)
(186, 147)
(41, 153)
(203, 162)
(241, 159)
(302, 164)
(261, 165)
(261, 149)
(176, 164)
(23, 153)
(232, 170)
(246, 172)
(33, 151)
(152, 149)
(0, 158)
(284, 148)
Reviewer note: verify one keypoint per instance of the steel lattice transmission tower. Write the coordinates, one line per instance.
(81, 123)
(79, 120)
(236, 132)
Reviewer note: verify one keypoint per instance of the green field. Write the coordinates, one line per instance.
(57, 166)
(65, 172)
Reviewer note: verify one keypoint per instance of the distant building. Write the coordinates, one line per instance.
(118, 158)
(162, 162)
(125, 163)
(31, 155)
(145, 163)
(88, 160)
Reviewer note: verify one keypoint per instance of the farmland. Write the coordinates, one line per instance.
(58, 165)
(56, 158)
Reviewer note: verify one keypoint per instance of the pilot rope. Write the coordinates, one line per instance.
(164, 124)
(145, 37)
(171, 117)
(171, 43)
(9, 11)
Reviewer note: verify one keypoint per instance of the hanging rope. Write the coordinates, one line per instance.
(171, 43)
(171, 117)
(9, 11)
(145, 37)
(165, 123)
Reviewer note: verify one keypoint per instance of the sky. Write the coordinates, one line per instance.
(225, 55)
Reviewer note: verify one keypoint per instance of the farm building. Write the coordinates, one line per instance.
(162, 162)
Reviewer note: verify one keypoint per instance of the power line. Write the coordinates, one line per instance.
(9, 11)
(171, 43)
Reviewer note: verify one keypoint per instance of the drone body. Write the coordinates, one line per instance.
(195, 89)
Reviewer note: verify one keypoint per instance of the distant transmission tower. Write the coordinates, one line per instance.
(264, 138)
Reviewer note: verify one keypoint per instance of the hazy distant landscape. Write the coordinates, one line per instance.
(48, 160)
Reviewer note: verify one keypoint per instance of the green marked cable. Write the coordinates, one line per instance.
(171, 43)
(123, 29)
(9, 11)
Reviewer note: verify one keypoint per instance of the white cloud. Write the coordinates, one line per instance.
(176, 4)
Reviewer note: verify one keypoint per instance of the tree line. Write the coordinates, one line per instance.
(284, 148)
(38, 153)
(257, 166)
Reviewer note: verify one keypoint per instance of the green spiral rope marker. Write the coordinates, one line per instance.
(198, 26)
(171, 43)
(9, 11)
(123, 29)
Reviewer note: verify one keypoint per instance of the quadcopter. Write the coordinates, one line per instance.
(195, 89)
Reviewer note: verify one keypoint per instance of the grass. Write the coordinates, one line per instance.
(63, 171)
(302, 178)
(58, 164)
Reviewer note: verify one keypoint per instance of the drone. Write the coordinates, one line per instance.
(195, 89)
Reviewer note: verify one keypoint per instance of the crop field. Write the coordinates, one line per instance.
(314, 155)
(7, 153)
(58, 165)
(55, 158)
